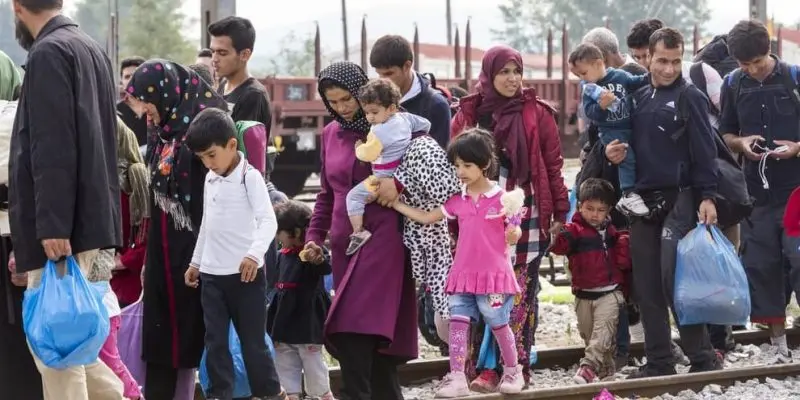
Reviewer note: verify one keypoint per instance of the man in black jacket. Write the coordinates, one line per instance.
(677, 176)
(64, 189)
(136, 123)
(393, 59)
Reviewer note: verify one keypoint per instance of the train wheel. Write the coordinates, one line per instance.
(290, 182)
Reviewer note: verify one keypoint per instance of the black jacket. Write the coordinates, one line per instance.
(431, 105)
(63, 164)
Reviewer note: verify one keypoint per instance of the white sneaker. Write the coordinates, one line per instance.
(633, 204)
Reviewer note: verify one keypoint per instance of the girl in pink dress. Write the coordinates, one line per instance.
(481, 282)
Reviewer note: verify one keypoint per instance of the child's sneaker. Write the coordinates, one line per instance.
(327, 396)
(631, 203)
(453, 385)
(513, 381)
(357, 240)
(585, 375)
(486, 382)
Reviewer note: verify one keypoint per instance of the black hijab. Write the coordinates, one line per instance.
(179, 95)
(350, 77)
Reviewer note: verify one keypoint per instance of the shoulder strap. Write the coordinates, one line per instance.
(789, 76)
(680, 112)
(241, 128)
(698, 76)
(734, 82)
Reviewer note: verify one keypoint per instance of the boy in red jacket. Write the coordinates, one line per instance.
(598, 255)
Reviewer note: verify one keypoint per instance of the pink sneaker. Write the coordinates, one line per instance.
(585, 375)
(453, 385)
(486, 382)
(513, 381)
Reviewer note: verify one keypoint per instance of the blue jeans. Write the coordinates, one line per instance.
(494, 308)
(623, 332)
(627, 169)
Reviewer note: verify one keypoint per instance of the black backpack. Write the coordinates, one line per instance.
(715, 54)
(733, 200)
(453, 102)
(790, 79)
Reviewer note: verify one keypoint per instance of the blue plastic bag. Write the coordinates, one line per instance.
(241, 386)
(573, 202)
(64, 318)
(710, 283)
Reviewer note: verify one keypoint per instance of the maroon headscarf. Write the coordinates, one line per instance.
(509, 128)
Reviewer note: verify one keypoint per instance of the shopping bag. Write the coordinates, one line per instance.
(710, 283)
(129, 343)
(64, 318)
(241, 386)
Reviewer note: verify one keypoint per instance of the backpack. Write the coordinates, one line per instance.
(453, 102)
(698, 77)
(715, 54)
(790, 75)
(8, 111)
(733, 201)
(256, 153)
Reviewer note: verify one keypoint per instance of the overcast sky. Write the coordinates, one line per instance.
(399, 16)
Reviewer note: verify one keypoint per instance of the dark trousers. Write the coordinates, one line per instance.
(623, 333)
(366, 373)
(226, 298)
(161, 382)
(654, 247)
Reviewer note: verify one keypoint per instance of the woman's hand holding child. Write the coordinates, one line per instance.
(312, 253)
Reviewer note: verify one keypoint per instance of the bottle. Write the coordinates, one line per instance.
(594, 91)
(534, 357)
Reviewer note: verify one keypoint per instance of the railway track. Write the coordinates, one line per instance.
(419, 372)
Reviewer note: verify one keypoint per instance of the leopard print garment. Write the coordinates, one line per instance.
(429, 180)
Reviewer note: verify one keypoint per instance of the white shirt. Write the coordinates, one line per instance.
(416, 88)
(238, 221)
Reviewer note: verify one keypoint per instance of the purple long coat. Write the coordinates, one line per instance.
(374, 289)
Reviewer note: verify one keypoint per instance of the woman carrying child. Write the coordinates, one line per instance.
(481, 282)
(598, 254)
(297, 313)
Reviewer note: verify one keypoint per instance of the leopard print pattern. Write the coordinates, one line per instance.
(429, 180)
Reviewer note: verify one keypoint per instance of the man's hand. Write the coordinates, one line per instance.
(55, 249)
(745, 144)
(606, 99)
(512, 235)
(191, 277)
(793, 148)
(249, 269)
(387, 192)
(616, 151)
(312, 253)
(707, 213)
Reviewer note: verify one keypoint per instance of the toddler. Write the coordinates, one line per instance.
(386, 144)
(605, 104)
(297, 313)
(598, 255)
(237, 228)
(481, 282)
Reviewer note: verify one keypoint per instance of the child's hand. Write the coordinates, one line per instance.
(512, 235)
(191, 277)
(312, 253)
(249, 269)
(606, 99)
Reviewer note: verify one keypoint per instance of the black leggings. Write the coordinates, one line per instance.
(366, 373)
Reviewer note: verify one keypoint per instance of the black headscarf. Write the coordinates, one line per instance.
(350, 77)
(178, 94)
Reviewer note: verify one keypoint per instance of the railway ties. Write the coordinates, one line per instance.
(552, 374)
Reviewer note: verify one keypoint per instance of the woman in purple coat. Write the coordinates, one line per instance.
(371, 325)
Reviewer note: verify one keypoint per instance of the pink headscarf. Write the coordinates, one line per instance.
(509, 128)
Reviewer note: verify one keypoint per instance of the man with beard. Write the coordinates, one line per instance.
(136, 124)
(64, 190)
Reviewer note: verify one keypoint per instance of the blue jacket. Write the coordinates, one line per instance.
(431, 105)
(620, 83)
(662, 160)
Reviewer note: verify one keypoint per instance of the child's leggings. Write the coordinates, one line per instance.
(109, 354)
(495, 310)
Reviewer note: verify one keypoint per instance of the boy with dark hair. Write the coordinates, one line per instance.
(598, 255)
(638, 39)
(232, 43)
(385, 147)
(393, 59)
(760, 113)
(205, 57)
(136, 124)
(606, 104)
(238, 225)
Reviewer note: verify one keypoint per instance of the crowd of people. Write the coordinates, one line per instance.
(177, 212)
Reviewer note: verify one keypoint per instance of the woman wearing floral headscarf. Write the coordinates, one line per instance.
(171, 95)
(529, 150)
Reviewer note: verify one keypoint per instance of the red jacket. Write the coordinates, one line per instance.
(127, 284)
(546, 160)
(593, 262)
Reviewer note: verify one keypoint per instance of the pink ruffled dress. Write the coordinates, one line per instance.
(482, 264)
